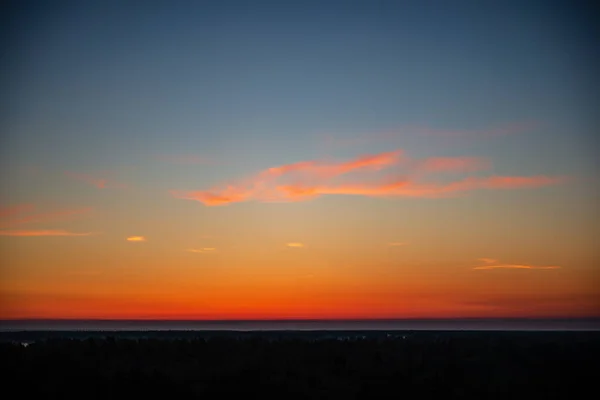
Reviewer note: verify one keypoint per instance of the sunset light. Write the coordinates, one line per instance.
(292, 161)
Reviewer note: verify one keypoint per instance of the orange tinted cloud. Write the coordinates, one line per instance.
(498, 182)
(490, 263)
(515, 266)
(310, 179)
(329, 170)
(55, 232)
(227, 196)
(261, 186)
(397, 244)
(295, 244)
(413, 189)
(98, 181)
(136, 239)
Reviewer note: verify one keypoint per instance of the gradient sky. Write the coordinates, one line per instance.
(220, 160)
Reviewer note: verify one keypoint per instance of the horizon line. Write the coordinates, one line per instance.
(521, 318)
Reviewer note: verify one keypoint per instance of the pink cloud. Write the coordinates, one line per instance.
(310, 179)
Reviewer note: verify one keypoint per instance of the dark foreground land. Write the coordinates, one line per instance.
(300, 365)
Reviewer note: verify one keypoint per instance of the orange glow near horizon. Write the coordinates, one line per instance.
(395, 238)
(200, 286)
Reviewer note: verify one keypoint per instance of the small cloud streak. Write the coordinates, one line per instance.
(307, 180)
(99, 182)
(295, 245)
(515, 266)
(491, 263)
(136, 239)
(397, 244)
(55, 232)
(203, 250)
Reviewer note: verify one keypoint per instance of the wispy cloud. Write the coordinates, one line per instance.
(136, 239)
(310, 179)
(515, 266)
(203, 250)
(184, 159)
(17, 215)
(54, 232)
(98, 180)
(397, 244)
(332, 169)
(490, 263)
(262, 186)
(407, 188)
(295, 244)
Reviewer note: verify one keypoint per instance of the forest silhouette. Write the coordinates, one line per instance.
(367, 365)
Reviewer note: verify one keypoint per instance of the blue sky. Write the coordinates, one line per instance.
(111, 90)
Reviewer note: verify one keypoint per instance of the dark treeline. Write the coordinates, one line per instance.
(478, 365)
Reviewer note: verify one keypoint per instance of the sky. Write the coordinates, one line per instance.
(299, 160)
